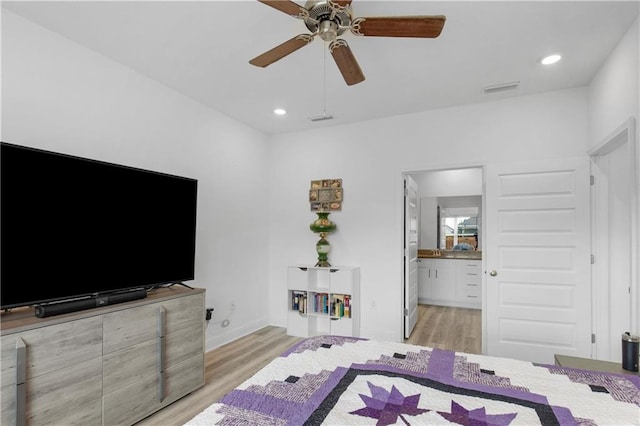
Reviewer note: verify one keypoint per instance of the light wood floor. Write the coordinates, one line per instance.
(228, 366)
(443, 327)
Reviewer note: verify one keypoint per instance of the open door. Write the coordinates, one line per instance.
(538, 287)
(410, 255)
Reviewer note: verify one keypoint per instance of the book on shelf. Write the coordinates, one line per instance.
(347, 306)
(299, 301)
(341, 306)
(303, 304)
(334, 305)
(321, 303)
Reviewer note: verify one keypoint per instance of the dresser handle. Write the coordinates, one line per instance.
(21, 386)
(162, 313)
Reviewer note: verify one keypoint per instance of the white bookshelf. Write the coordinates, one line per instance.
(323, 300)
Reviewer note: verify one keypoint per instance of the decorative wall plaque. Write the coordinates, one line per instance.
(326, 195)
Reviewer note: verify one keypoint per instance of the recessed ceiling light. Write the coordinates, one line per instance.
(550, 59)
(279, 111)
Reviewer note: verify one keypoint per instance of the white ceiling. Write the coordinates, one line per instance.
(202, 49)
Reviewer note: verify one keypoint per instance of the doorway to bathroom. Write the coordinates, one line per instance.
(449, 282)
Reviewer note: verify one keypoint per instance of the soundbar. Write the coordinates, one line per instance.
(50, 309)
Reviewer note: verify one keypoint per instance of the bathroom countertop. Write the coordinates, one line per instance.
(449, 254)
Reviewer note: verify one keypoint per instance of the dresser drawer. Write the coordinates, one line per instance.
(68, 396)
(51, 348)
(129, 365)
(130, 327)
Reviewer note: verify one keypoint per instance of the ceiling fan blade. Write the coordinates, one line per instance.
(282, 50)
(286, 6)
(399, 26)
(346, 62)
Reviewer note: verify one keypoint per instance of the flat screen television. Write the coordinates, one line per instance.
(73, 227)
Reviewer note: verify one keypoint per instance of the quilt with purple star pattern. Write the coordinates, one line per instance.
(332, 380)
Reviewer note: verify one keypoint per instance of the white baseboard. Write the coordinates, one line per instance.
(218, 336)
(472, 305)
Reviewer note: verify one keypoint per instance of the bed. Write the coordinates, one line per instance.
(337, 380)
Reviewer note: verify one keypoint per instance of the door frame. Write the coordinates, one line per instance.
(402, 231)
(623, 134)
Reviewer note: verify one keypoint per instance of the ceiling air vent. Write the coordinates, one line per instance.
(321, 117)
(501, 87)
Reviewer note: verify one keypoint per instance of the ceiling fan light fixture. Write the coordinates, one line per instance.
(320, 11)
(328, 30)
(550, 59)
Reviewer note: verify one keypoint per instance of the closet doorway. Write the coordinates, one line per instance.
(615, 235)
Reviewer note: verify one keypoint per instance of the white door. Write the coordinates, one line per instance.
(538, 294)
(410, 255)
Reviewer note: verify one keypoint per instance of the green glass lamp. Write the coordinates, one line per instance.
(322, 226)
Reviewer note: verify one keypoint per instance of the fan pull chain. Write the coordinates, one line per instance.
(324, 115)
(324, 81)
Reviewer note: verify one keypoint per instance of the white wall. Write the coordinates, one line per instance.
(370, 158)
(59, 96)
(449, 183)
(614, 93)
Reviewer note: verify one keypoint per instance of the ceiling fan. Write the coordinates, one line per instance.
(329, 19)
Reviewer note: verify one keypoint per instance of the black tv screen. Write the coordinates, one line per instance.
(73, 227)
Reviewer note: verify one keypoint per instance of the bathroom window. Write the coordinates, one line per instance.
(459, 228)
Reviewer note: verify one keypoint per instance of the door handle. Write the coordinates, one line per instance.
(493, 273)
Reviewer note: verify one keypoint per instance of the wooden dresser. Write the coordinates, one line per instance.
(113, 365)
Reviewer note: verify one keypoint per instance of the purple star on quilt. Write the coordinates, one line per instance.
(388, 406)
(477, 417)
